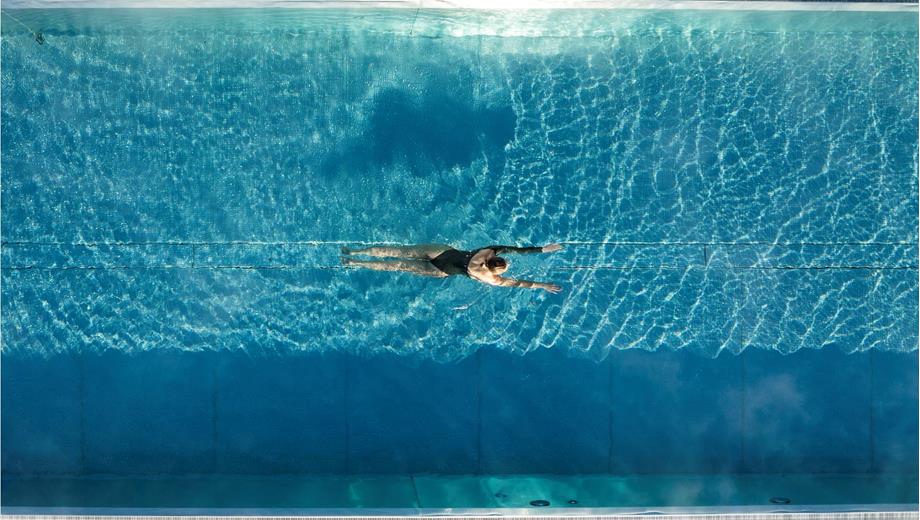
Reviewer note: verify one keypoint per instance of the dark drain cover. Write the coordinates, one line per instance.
(573, 502)
(539, 503)
(780, 500)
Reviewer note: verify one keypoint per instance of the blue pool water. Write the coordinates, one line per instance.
(736, 194)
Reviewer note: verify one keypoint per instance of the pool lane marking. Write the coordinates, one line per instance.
(195, 245)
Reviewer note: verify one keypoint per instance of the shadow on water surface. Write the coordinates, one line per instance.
(423, 129)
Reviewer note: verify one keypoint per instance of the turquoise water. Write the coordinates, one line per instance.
(736, 194)
(713, 182)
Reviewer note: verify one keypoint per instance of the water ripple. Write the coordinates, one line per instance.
(720, 186)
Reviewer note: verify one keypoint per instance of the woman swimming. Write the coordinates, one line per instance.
(439, 261)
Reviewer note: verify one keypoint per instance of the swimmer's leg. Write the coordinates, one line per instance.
(422, 251)
(420, 267)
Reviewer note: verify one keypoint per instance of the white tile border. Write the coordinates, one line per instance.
(714, 5)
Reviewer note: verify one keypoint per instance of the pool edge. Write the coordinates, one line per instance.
(823, 512)
(709, 5)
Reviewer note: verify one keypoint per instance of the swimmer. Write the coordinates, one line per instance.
(441, 261)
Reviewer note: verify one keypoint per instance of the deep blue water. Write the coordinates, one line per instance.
(736, 194)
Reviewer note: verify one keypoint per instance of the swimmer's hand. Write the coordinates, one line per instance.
(550, 248)
(550, 287)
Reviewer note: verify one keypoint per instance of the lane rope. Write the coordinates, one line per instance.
(36, 35)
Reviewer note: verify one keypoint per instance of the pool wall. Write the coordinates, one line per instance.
(637, 412)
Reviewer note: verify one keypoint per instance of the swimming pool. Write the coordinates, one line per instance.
(736, 193)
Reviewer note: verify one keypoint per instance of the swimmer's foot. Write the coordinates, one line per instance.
(346, 251)
(345, 260)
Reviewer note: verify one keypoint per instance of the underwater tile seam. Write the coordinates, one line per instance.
(715, 5)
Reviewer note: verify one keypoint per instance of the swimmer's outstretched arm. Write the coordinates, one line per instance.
(537, 249)
(526, 284)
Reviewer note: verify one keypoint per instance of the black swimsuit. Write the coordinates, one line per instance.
(454, 261)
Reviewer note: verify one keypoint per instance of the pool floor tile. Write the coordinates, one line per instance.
(545, 412)
(41, 414)
(687, 406)
(149, 412)
(411, 418)
(280, 413)
(807, 412)
(894, 413)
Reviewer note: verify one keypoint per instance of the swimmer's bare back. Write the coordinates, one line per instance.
(440, 261)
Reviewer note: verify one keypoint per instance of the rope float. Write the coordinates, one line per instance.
(37, 35)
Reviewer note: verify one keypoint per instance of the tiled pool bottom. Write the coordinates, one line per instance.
(544, 493)
(832, 427)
